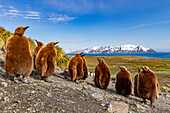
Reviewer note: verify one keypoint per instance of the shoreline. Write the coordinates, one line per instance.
(161, 55)
(161, 67)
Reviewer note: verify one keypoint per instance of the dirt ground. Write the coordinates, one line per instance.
(64, 95)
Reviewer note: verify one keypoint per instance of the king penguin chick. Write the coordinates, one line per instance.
(147, 85)
(84, 67)
(75, 67)
(45, 61)
(102, 74)
(123, 82)
(36, 49)
(18, 59)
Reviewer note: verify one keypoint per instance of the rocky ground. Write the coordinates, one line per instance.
(66, 96)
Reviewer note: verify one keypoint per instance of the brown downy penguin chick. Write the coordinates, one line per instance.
(147, 85)
(45, 61)
(102, 75)
(135, 82)
(123, 82)
(36, 49)
(18, 60)
(84, 67)
(75, 67)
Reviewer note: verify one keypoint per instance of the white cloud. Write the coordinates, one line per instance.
(32, 15)
(11, 7)
(13, 10)
(71, 39)
(60, 18)
(29, 17)
(1, 6)
(12, 14)
(144, 25)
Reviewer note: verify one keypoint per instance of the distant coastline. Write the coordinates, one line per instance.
(164, 55)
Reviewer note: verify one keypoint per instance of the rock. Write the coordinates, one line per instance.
(32, 91)
(29, 109)
(165, 89)
(103, 105)
(117, 107)
(97, 96)
(1, 93)
(49, 95)
(4, 84)
(5, 99)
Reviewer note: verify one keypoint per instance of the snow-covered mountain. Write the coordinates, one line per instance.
(109, 49)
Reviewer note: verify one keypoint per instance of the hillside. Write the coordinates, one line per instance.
(66, 96)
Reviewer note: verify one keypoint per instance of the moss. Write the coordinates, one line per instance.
(61, 59)
(133, 63)
(4, 34)
(165, 89)
(2, 43)
(32, 44)
(113, 78)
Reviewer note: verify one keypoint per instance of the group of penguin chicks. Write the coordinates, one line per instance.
(19, 61)
(145, 82)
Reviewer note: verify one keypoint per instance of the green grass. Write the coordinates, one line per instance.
(133, 63)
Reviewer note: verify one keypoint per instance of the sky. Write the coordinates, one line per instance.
(78, 24)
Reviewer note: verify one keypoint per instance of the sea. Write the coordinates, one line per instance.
(164, 55)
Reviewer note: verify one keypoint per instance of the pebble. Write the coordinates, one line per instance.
(32, 91)
(1, 94)
(29, 109)
(117, 107)
(4, 84)
(97, 96)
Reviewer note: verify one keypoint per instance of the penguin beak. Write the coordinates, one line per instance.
(25, 28)
(36, 40)
(138, 70)
(119, 67)
(56, 43)
(84, 54)
(142, 68)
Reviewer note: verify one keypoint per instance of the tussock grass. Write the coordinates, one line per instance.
(133, 63)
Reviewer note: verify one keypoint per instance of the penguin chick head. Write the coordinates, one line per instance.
(82, 54)
(122, 68)
(39, 43)
(100, 60)
(20, 30)
(52, 44)
(78, 55)
(145, 69)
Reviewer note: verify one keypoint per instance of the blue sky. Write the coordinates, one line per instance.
(79, 24)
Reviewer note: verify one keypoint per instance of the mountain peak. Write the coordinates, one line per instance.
(128, 48)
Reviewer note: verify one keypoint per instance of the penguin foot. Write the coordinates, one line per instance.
(81, 81)
(144, 101)
(151, 105)
(16, 80)
(47, 80)
(77, 81)
(25, 80)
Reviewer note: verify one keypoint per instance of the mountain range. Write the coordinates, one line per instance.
(109, 49)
